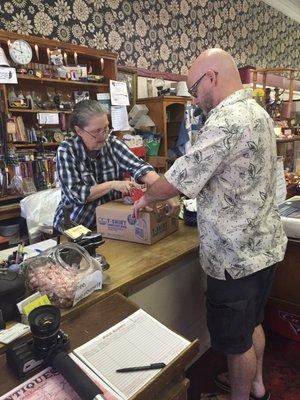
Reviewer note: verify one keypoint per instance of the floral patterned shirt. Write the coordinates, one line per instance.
(231, 171)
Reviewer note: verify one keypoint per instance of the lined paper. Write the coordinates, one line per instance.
(137, 340)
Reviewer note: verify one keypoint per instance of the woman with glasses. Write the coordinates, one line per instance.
(90, 166)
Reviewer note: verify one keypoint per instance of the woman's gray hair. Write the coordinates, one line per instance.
(84, 111)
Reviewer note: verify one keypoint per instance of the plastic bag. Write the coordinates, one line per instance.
(65, 273)
(39, 209)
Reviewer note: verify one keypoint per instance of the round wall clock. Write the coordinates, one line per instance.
(20, 52)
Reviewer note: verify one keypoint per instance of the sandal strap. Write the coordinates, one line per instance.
(209, 396)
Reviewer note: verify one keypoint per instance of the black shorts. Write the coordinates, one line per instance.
(235, 307)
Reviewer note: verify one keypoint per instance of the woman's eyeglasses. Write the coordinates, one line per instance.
(98, 133)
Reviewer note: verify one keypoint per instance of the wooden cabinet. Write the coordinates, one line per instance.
(289, 149)
(44, 88)
(167, 112)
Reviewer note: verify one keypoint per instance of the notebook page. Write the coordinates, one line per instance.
(137, 340)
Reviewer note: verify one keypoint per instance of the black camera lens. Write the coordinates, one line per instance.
(44, 324)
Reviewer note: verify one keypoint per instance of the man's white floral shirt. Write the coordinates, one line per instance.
(231, 170)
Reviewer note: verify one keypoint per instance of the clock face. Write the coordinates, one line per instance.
(20, 52)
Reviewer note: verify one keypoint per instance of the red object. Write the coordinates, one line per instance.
(136, 193)
(4, 241)
(139, 151)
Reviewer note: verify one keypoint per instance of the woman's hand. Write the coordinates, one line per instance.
(123, 186)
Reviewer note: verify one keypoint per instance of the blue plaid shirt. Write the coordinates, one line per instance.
(77, 173)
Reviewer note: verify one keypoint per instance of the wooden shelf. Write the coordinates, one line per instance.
(10, 197)
(61, 81)
(285, 140)
(38, 110)
(31, 145)
(9, 211)
(102, 63)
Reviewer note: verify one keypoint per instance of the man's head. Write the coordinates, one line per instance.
(213, 77)
(89, 121)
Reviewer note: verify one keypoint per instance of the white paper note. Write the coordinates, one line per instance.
(119, 118)
(8, 75)
(118, 93)
(281, 191)
(10, 334)
(87, 286)
(48, 118)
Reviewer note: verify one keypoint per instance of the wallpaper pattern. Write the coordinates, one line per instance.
(162, 35)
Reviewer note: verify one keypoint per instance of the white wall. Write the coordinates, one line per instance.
(177, 299)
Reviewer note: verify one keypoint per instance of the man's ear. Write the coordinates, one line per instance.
(212, 76)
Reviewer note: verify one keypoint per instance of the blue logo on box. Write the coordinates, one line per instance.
(131, 220)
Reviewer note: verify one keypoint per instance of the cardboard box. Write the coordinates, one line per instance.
(114, 220)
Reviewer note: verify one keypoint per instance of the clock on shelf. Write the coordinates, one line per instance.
(20, 52)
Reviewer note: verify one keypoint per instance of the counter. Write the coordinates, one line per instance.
(168, 384)
(164, 278)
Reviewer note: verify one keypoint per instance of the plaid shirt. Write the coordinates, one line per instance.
(77, 173)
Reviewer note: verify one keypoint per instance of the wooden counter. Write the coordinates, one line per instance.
(132, 264)
(168, 384)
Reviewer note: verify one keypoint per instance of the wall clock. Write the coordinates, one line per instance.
(20, 52)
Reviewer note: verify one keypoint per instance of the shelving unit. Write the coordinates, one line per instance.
(42, 89)
(167, 113)
(61, 81)
(288, 148)
(37, 110)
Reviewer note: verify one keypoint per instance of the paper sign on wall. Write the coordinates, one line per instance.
(8, 75)
(48, 118)
(119, 118)
(118, 93)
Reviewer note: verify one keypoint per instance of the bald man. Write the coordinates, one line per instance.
(231, 171)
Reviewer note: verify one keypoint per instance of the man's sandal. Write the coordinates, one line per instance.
(211, 396)
(222, 382)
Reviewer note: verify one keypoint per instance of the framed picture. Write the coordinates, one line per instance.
(125, 75)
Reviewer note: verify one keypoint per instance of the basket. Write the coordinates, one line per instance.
(153, 147)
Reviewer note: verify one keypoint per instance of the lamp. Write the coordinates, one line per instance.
(137, 111)
(3, 59)
(144, 122)
(182, 89)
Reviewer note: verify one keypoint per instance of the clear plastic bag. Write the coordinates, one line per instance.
(58, 272)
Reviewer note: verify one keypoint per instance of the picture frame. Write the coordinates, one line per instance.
(130, 77)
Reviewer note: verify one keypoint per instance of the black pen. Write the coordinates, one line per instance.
(142, 368)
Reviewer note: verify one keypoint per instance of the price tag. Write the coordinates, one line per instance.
(41, 301)
(77, 231)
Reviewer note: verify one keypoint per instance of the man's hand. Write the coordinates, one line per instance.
(139, 205)
(173, 206)
(160, 190)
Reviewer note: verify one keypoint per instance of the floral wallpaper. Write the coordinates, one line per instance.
(162, 35)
